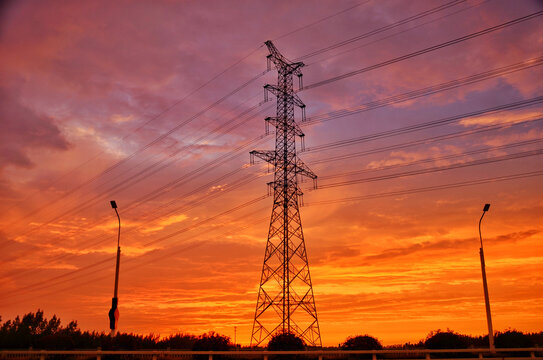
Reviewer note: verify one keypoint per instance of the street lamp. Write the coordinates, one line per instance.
(114, 312)
(485, 286)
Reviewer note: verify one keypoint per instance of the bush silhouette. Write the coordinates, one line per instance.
(178, 342)
(361, 342)
(512, 339)
(285, 341)
(446, 340)
(211, 341)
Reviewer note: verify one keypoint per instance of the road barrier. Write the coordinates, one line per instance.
(412, 354)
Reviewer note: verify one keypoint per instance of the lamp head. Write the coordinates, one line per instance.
(487, 206)
(113, 204)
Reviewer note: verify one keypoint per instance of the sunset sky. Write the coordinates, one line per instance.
(156, 104)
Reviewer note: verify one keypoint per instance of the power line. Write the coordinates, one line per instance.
(431, 188)
(491, 160)
(45, 283)
(148, 145)
(180, 100)
(321, 20)
(425, 50)
(313, 85)
(434, 159)
(514, 105)
(172, 129)
(185, 207)
(131, 179)
(52, 282)
(383, 102)
(154, 117)
(427, 125)
(381, 29)
(430, 140)
(396, 131)
(400, 32)
(429, 90)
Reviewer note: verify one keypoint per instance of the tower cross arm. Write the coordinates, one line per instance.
(282, 62)
(266, 155)
(292, 126)
(279, 92)
(303, 169)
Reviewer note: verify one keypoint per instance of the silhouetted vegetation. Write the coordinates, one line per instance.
(285, 341)
(446, 340)
(211, 342)
(361, 342)
(512, 339)
(179, 341)
(35, 331)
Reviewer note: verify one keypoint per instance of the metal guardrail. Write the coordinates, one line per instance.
(414, 354)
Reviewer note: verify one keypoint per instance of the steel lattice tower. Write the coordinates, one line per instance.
(285, 298)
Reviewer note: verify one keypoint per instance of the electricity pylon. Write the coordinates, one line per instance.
(285, 301)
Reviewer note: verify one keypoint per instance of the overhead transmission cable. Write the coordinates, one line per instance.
(513, 105)
(495, 159)
(429, 140)
(418, 93)
(400, 32)
(381, 29)
(44, 284)
(159, 115)
(428, 124)
(177, 102)
(321, 20)
(425, 50)
(431, 188)
(310, 86)
(429, 90)
(329, 80)
(488, 180)
(150, 144)
(403, 97)
(183, 230)
(185, 207)
(134, 179)
(170, 252)
(433, 159)
(432, 89)
(208, 82)
(431, 170)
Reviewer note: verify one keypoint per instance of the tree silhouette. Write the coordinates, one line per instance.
(446, 340)
(285, 341)
(36, 331)
(361, 342)
(212, 341)
(178, 342)
(512, 339)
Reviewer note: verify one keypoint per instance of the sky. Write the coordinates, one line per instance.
(412, 126)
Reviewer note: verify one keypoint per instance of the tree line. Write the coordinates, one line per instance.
(34, 331)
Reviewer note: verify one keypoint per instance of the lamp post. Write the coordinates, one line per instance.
(114, 312)
(485, 286)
